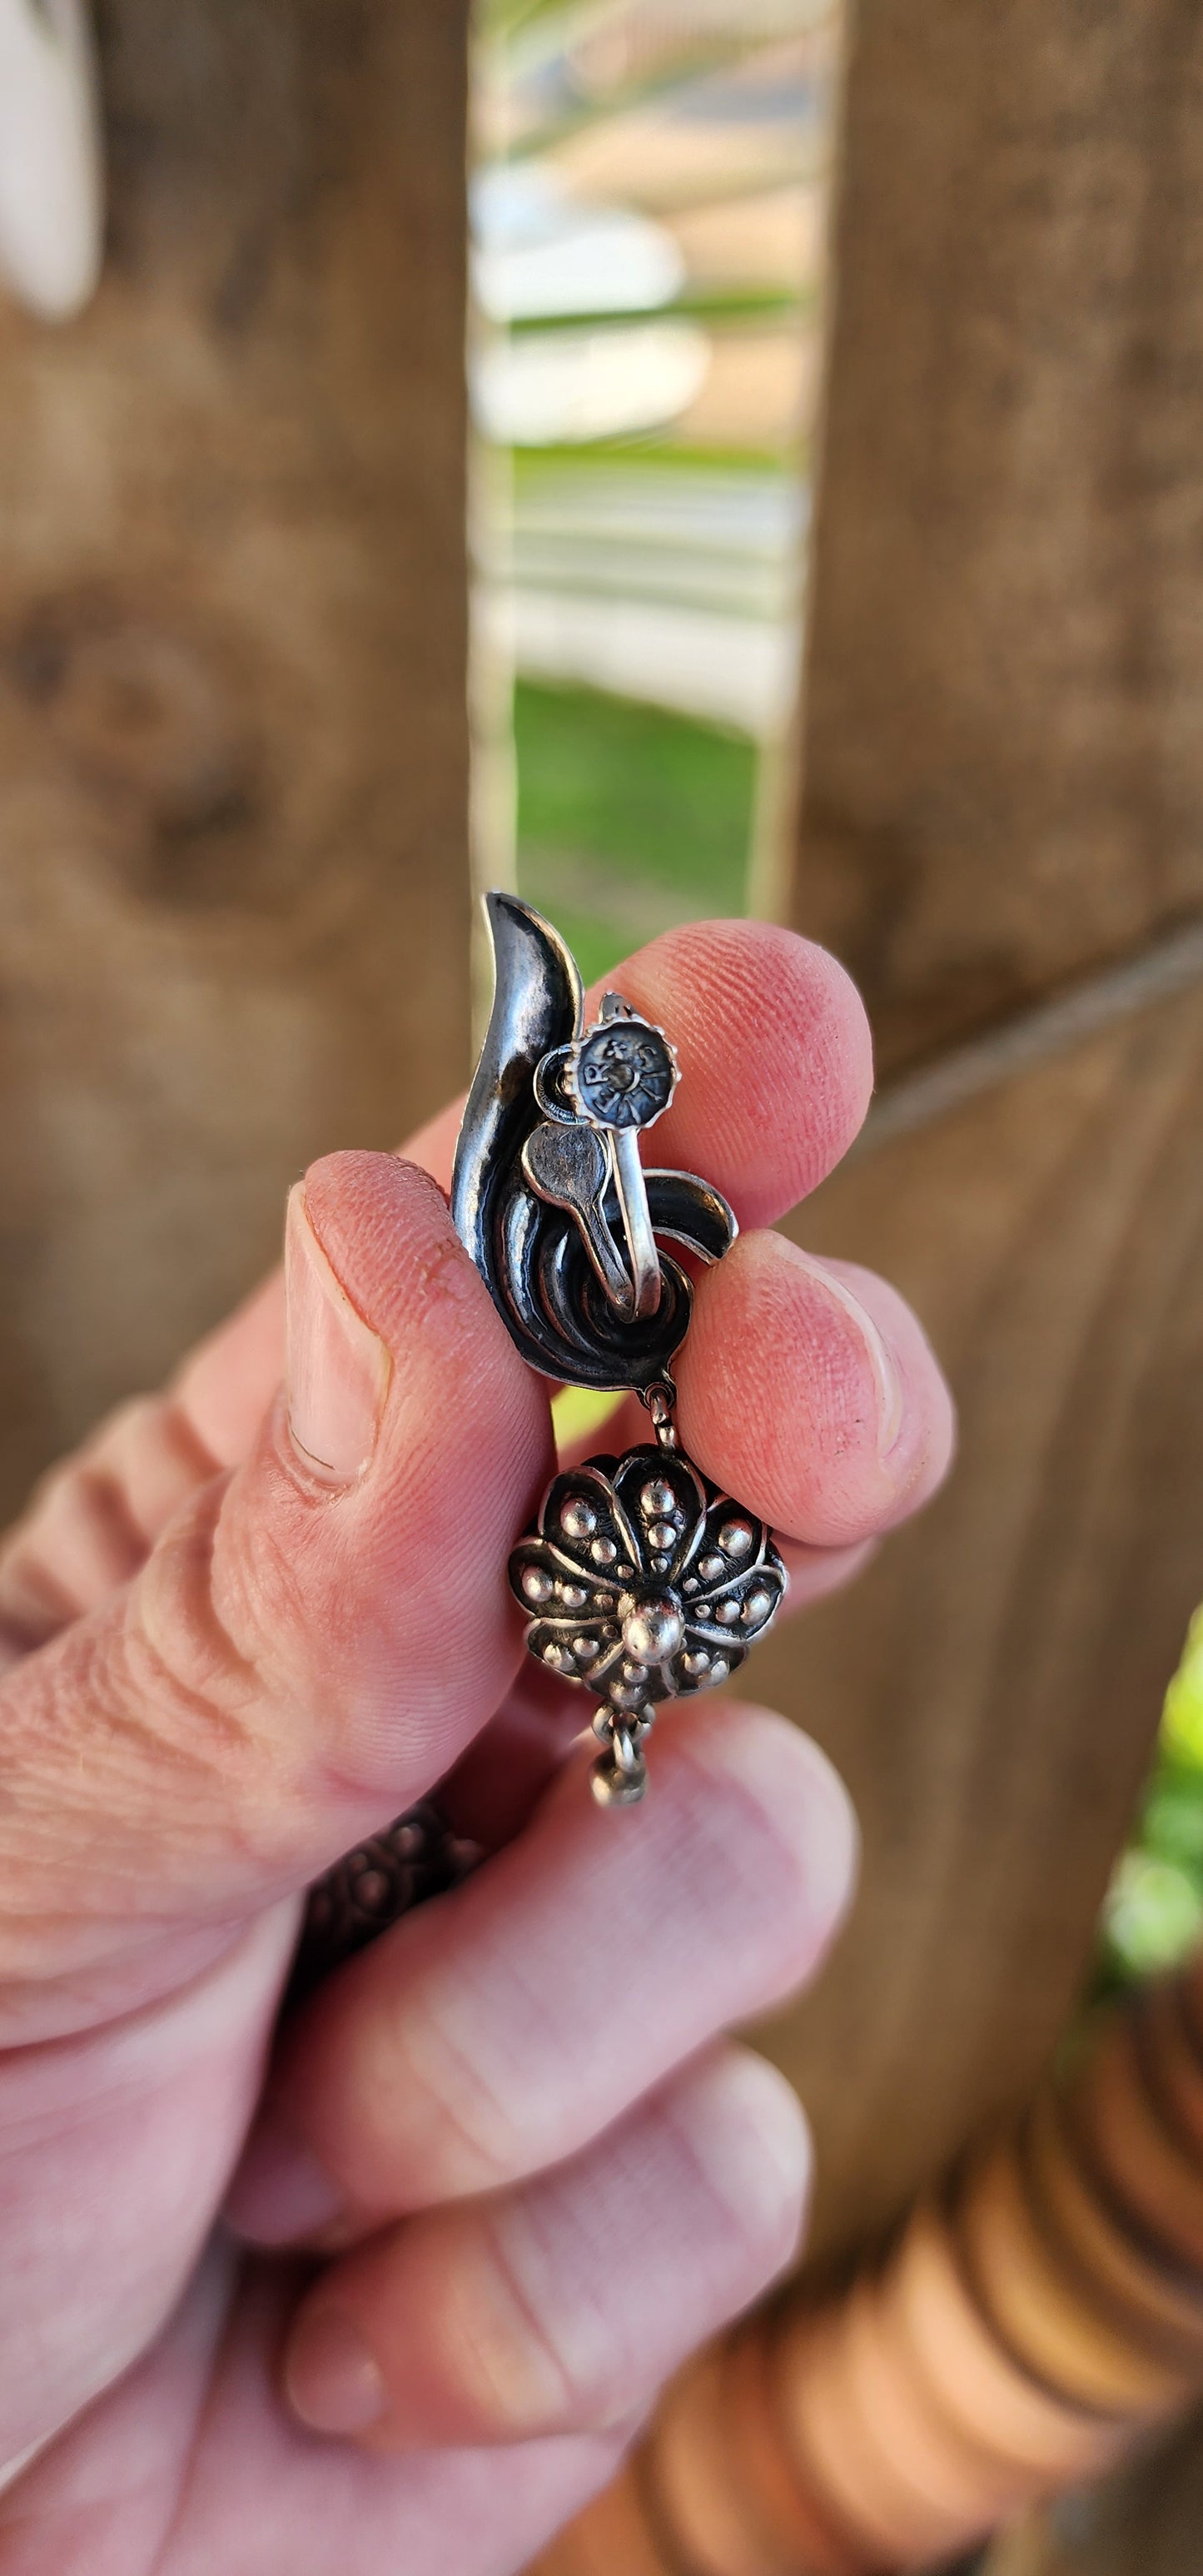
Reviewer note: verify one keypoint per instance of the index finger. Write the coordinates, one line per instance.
(775, 1053)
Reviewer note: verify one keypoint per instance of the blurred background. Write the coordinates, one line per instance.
(815, 530)
(649, 214)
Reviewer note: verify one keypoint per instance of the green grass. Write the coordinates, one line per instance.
(629, 818)
(1153, 1918)
(657, 447)
(731, 305)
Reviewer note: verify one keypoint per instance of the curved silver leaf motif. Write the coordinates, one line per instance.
(531, 1200)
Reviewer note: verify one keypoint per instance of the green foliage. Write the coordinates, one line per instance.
(630, 818)
(1154, 1911)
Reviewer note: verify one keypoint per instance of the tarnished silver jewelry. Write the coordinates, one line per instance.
(640, 1580)
(415, 1857)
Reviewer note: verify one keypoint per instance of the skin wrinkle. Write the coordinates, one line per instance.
(98, 1479)
(209, 2400)
(207, 2035)
(450, 2071)
(773, 1878)
(498, 2137)
(802, 1444)
(120, 2043)
(737, 1864)
(131, 1681)
(86, 1530)
(549, 2246)
(154, 1961)
(151, 1443)
(88, 1673)
(755, 977)
(110, 1518)
(574, 2303)
(419, 1269)
(421, 1425)
(177, 1596)
(195, 2346)
(46, 1611)
(503, 2363)
(732, 2206)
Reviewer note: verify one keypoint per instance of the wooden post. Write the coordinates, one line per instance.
(1002, 786)
(234, 893)
(992, 1688)
(1003, 759)
(1003, 779)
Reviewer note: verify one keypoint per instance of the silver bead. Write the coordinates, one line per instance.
(536, 1585)
(713, 1568)
(653, 1630)
(736, 1537)
(726, 1613)
(657, 1500)
(578, 1519)
(661, 1534)
(603, 1551)
(757, 1607)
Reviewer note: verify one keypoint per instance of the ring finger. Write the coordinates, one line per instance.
(494, 2033)
(561, 2305)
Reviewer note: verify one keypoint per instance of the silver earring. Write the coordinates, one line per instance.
(640, 1580)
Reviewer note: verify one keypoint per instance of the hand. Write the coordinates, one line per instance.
(507, 2167)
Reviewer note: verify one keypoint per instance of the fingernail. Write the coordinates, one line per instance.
(280, 2192)
(337, 1368)
(331, 2379)
(877, 1350)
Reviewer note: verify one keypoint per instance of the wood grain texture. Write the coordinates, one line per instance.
(991, 1688)
(233, 767)
(1002, 764)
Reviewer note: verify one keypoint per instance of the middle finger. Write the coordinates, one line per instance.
(496, 2031)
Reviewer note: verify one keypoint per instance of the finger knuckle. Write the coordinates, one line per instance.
(470, 2133)
(531, 2361)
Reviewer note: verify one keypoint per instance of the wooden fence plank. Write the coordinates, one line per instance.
(991, 1688)
(234, 899)
(1003, 765)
